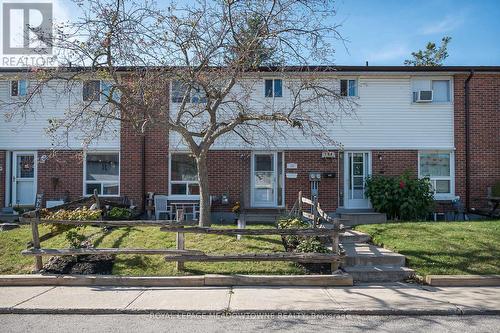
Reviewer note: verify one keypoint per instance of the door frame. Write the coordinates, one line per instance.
(275, 180)
(347, 176)
(14, 174)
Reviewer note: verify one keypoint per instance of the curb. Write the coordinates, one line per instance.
(159, 313)
(463, 280)
(177, 281)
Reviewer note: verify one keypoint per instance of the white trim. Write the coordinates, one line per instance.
(316, 148)
(85, 182)
(179, 196)
(451, 178)
(13, 174)
(346, 176)
(275, 185)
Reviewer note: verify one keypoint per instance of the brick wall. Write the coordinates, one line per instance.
(157, 160)
(484, 135)
(131, 150)
(61, 175)
(229, 173)
(3, 168)
(394, 162)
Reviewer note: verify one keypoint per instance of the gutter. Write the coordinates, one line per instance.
(467, 140)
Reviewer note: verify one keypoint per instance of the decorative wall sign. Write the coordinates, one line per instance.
(328, 154)
(291, 175)
(291, 165)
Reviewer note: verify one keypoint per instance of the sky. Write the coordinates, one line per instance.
(385, 32)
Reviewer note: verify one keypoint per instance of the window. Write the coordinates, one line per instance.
(92, 90)
(273, 88)
(440, 91)
(438, 167)
(197, 94)
(102, 173)
(183, 175)
(18, 88)
(348, 88)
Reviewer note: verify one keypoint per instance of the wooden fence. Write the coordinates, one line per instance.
(180, 254)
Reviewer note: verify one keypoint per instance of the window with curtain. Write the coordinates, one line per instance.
(438, 168)
(441, 90)
(183, 175)
(18, 88)
(102, 173)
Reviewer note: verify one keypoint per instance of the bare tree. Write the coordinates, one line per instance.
(213, 55)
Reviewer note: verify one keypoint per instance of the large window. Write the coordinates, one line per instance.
(438, 167)
(183, 175)
(441, 89)
(102, 173)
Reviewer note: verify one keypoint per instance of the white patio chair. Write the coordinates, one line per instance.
(161, 206)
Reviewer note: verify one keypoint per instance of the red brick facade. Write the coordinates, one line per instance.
(144, 160)
(484, 135)
(60, 176)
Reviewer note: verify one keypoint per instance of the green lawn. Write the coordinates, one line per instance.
(442, 247)
(14, 241)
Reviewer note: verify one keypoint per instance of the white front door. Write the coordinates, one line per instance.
(357, 166)
(24, 172)
(264, 180)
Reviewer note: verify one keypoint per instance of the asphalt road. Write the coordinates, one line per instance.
(245, 323)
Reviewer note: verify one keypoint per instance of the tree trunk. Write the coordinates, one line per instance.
(201, 162)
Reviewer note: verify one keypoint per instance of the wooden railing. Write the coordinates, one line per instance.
(180, 254)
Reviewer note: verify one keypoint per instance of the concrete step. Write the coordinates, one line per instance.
(360, 254)
(362, 218)
(261, 218)
(353, 236)
(9, 218)
(379, 273)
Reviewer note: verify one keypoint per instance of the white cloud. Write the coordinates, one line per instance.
(447, 24)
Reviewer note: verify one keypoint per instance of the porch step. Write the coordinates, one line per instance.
(355, 218)
(261, 218)
(379, 273)
(360, 254)
(8, 218)
(353, 236)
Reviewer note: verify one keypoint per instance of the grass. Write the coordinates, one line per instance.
(14, 241)
(442, 247)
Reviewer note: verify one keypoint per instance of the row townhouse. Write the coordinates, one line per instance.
(436, 122)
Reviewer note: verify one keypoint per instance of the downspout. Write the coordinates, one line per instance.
(467, 141)
(143, 170)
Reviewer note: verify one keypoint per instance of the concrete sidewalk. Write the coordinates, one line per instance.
(379, 299)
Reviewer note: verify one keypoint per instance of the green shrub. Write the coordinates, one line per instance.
(311, 244)
(403, 197)
(286, 222)
(118, 213)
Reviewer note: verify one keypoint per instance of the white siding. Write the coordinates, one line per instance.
(29, 132)
(385, 118)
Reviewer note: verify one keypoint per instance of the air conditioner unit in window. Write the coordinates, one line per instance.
(423, 96)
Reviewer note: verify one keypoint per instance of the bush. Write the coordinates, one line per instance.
(403, 197)
(292, 241)
(117, 213)
(311, 244)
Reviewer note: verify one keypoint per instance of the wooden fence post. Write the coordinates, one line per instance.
(180, 238)
(299, 207)
(315, 211)
(241, 224)
(34, 231)
(335, 243)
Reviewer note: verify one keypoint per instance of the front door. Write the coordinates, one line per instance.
(23, 178)
(264, 180)
(357, 166)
